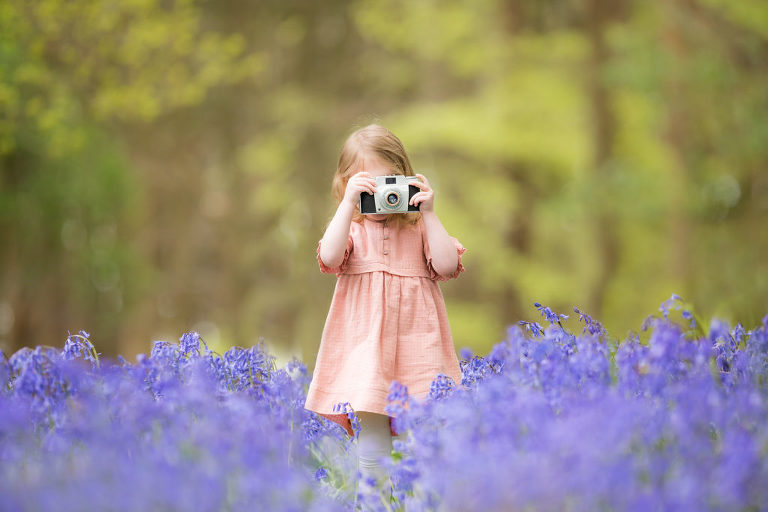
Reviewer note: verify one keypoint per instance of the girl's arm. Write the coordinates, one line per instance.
(334, 241)
(444, 255)
(445, 259)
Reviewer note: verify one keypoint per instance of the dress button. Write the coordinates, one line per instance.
(386, 252)
(386, 237)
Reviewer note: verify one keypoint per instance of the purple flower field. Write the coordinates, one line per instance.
(556, 417)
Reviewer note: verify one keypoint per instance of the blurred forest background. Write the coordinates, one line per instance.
(165, 165)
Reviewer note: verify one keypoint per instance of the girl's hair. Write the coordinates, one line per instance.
(377, 141)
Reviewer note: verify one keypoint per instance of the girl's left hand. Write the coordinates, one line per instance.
(426, 198)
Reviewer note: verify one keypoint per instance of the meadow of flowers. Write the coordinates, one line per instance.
(558, 416)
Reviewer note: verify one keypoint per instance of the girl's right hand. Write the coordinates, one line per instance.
(357, 184)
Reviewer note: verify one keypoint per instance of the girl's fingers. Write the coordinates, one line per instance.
(420, 197)
(364, 184)
(370, 181)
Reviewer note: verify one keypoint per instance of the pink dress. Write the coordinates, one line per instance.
(387, 322)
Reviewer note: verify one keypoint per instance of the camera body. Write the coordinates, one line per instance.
(393, 193)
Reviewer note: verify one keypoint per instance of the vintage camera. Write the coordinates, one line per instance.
(393, 193)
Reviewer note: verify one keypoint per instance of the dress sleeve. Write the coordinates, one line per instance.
(342, 266)
(459, 267)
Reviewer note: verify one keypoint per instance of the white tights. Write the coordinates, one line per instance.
(373, 444)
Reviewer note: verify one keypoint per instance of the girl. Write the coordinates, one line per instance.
(387, 319)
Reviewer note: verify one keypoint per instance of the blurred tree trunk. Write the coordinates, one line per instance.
(518, 236)
(604, 127)
(677, 136)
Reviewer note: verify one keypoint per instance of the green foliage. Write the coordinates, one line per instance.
(176, 157)
(127, 60)
(747, 14)
(70, 72)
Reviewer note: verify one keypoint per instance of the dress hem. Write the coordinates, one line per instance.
(320, 401)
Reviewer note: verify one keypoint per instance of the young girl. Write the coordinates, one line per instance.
(387, 319)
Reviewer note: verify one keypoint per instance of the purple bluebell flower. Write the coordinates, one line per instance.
(466, 353)
(592, 326)
(532, 327)
(397, 392)
(674, 302)
(321, 474)
(551, 316)
(441, 387)
(79, 345)
(190, 345)
(476, 369)
(689, 316)
(670, 422)
(346, 408)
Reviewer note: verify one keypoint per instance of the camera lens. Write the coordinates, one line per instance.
(392, 199)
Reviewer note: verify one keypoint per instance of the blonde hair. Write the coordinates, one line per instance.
(380, 142)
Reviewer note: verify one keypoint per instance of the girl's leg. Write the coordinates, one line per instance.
(374, 443)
